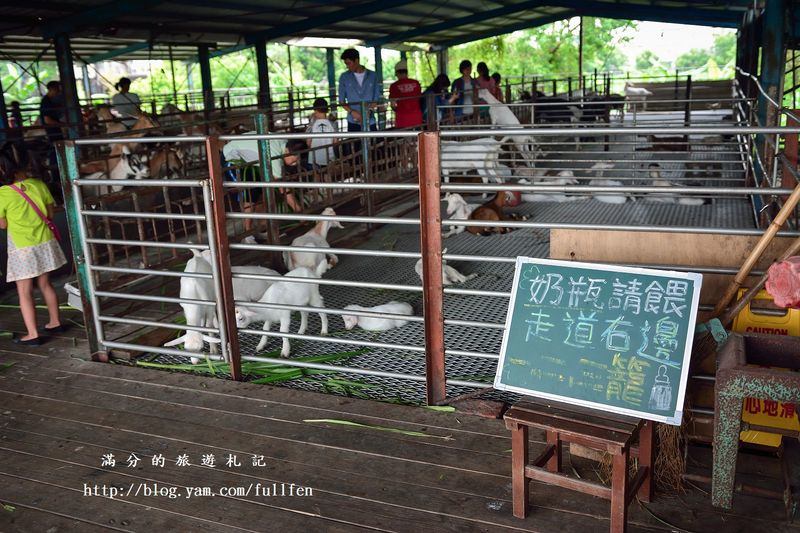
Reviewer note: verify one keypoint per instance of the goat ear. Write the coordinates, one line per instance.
(337, 224)
(211, 340)
(196, 253)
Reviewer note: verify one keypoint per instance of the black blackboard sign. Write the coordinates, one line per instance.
(608, 337)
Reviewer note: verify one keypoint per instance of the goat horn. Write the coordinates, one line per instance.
(175, 342)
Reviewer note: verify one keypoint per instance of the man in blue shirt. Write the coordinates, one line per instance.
(358, 85)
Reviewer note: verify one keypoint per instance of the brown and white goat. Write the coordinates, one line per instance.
(490, 211)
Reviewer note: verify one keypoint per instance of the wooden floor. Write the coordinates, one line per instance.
(59, 415)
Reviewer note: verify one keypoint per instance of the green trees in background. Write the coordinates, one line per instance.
(21, 86)
(550, 51)
(715, 62)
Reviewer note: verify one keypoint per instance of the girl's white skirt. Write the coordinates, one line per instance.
(33, 261)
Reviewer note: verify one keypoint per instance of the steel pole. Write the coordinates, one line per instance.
(220, 238)
(431, 246)
(68, 169)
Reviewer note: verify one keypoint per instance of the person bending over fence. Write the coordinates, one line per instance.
(26, 211)
(294, 166)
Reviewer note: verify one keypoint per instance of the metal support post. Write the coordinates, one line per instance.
(219, 243)
(68, 84)
(687, 112)
(87, 85)
(330, 60)
(431, 246)
(68, 169)
(262, 68)
(205, 78)
(172, 72)
(773, 62)
(379, 120)
(365, 157)
(265, 164)
(441, 61)
(3, 114)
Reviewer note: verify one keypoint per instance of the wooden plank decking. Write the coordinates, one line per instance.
(59, 415)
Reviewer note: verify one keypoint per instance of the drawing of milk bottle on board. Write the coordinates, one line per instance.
(661, 393)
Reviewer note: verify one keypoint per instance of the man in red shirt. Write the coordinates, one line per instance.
(405, 94)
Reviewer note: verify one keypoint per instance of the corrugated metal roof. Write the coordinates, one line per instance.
(99, 26)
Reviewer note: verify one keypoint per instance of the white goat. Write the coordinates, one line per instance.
(287, 293)
(193, 288)
(607, 198)
(449, 274)
(316, 237)
(502, 115)
(458, 209)
(477, 154)
(667, 198)
(600, 169)
(378, 324)
(247, 289)
(636, 95)
(129, 166)
(564, 177)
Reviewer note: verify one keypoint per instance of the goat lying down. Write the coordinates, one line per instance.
(550, 177)
(606, 198)
(449, 274)
(316, 237)
(490, 211)
(458, 209)
(378, 324)
(286, 292)
(667, 198)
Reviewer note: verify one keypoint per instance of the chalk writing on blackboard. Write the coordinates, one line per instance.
(610, 337)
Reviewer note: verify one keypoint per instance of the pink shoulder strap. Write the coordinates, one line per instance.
(50, 224)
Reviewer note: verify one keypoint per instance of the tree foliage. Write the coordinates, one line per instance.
(552, 50)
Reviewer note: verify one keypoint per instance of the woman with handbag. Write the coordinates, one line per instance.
(26, 210)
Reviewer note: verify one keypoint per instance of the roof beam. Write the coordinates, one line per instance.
(454, 23)
(725, 18)
(530, 23)
(332, 17)
(104, 56)
(99, 15)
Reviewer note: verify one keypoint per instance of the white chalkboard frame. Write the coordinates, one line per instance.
(676, 417)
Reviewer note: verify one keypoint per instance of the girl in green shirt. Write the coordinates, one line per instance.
(33, 251)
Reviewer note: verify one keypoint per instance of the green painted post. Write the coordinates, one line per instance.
(68, 168)
(379, 117)
(331, 75)
(265, 166)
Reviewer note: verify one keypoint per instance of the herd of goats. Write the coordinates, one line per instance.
(481, 157)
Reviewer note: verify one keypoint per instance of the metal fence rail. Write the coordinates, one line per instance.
(451, 345)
